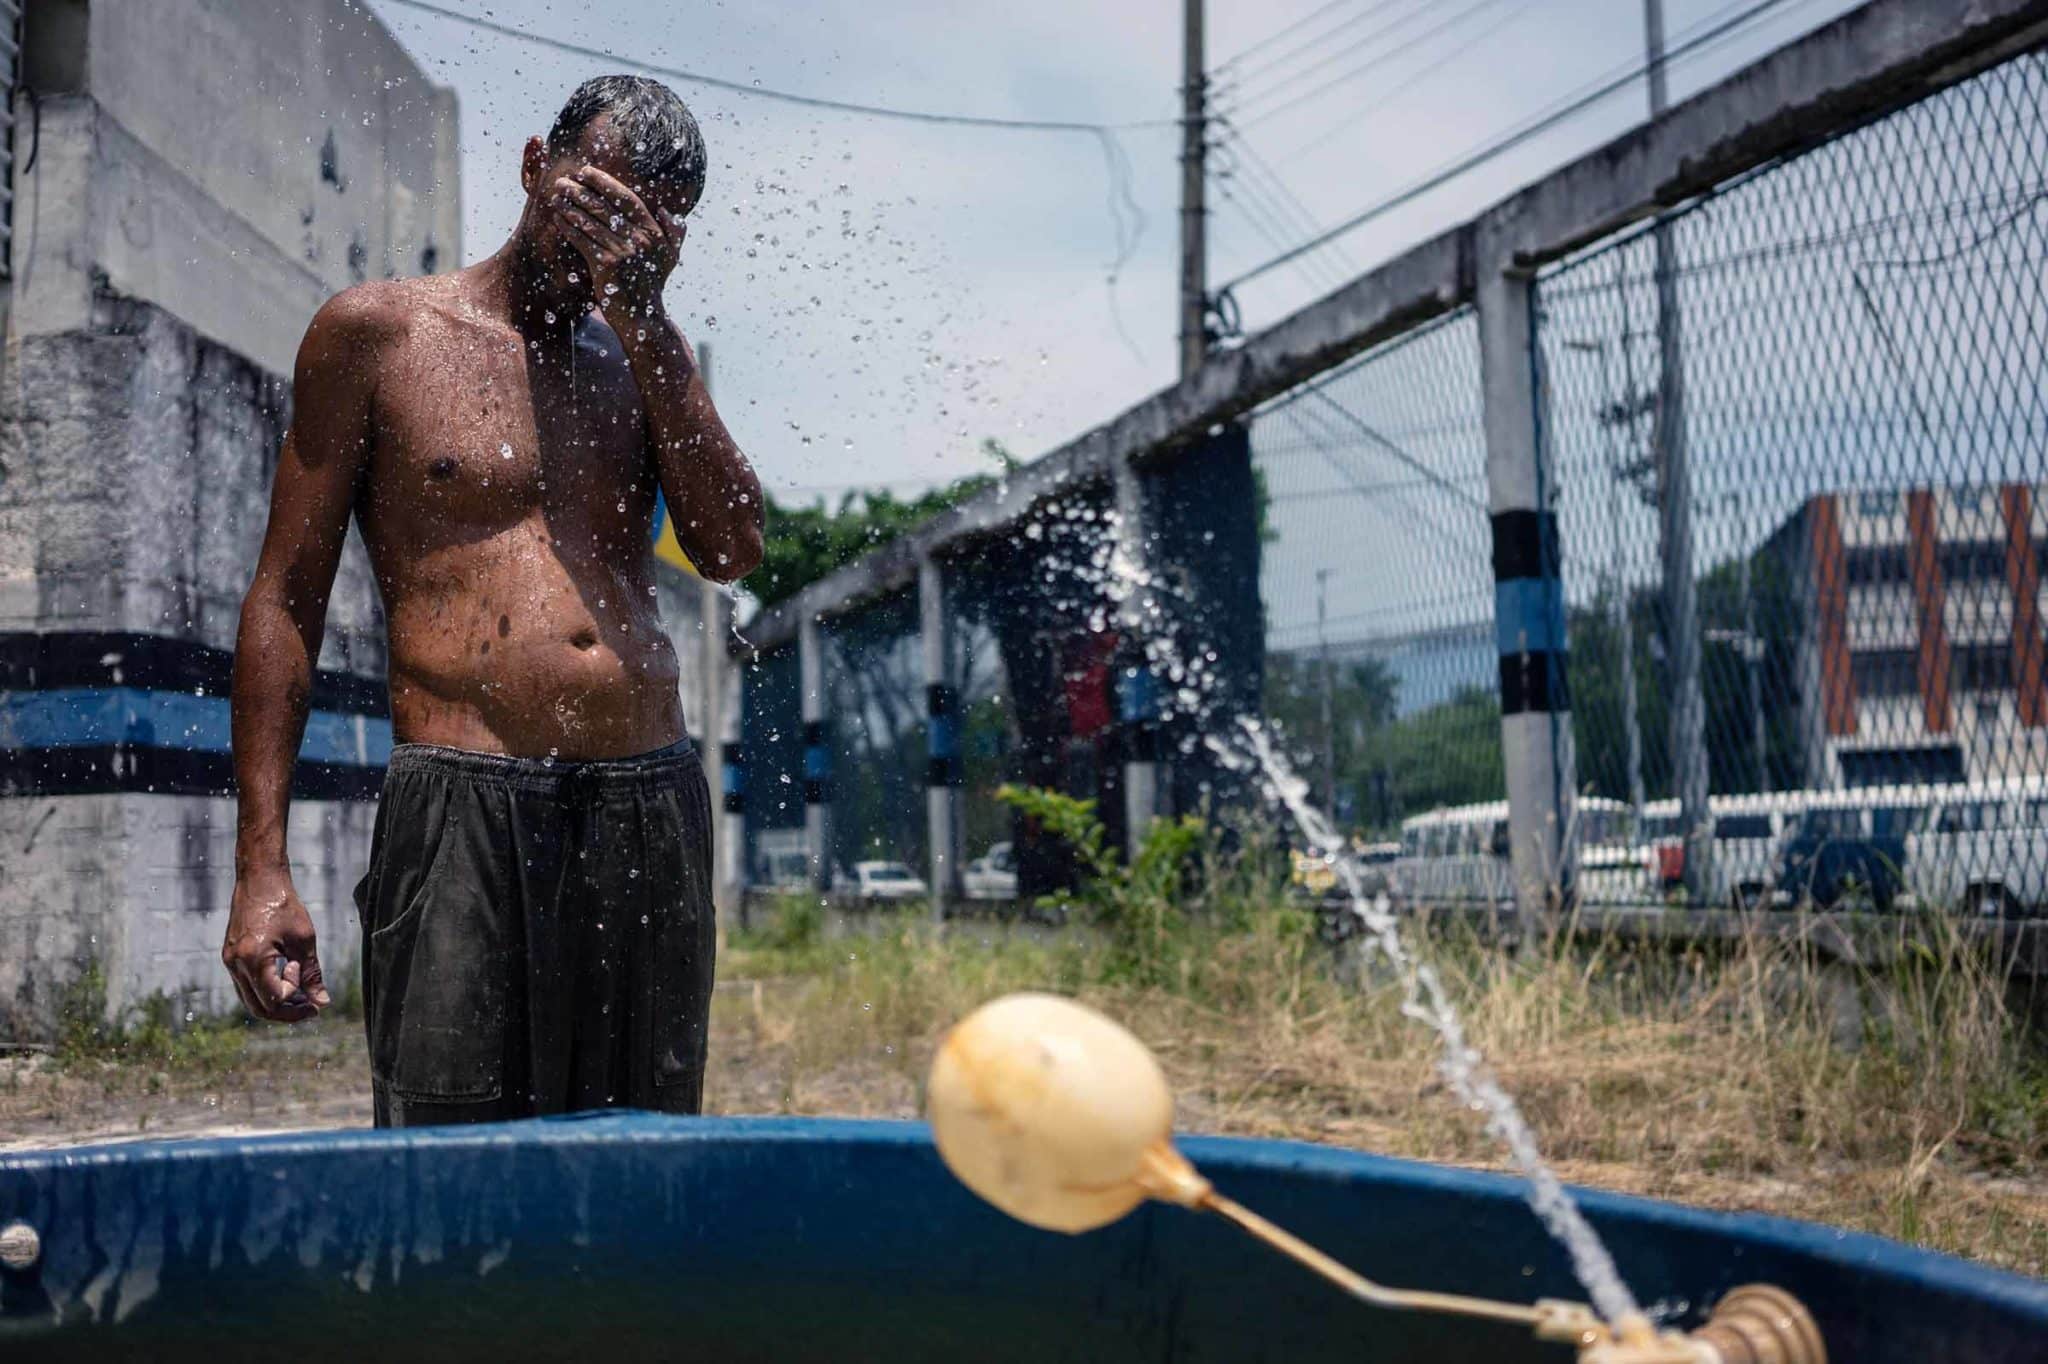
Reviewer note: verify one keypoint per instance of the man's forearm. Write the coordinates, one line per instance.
(272, 691)
(712, 491)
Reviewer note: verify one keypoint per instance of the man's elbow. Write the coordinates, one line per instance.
(744, 554)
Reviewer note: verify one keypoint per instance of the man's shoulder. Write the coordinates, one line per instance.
(368, 313)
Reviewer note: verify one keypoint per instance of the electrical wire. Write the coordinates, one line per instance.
(1514, 137)
(1252, 116)
(1318, 273)
(1241, 187)
(1127, 218)
(1263, 73)
(1422, 73)
(1260, 167)
(1045, 125)
(1277, 34)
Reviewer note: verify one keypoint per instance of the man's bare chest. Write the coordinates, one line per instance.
(469, 429)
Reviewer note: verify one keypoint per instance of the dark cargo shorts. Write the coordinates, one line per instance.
(537, 936)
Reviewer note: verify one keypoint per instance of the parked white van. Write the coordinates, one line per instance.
(1981, 848)
(1748, 832)
(1459, 855)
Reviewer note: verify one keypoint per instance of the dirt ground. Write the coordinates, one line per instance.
(316, 1076)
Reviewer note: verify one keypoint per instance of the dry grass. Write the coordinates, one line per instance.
(1907, 1099)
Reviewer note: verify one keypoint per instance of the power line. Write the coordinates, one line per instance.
(1390, 93)
(1514, 137)
(1243, 188)
(1044, 125)
(1371, 64)
(1319, 274)
(1277, 34)
(1262, 71)
(1261, 166)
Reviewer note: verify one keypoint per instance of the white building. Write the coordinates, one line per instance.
(1921, 654)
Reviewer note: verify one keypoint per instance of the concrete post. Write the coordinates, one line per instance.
(1674, 524)
(942, 773)
(1137, 689)
(817, 755)
(1536, 735)
(724, 758)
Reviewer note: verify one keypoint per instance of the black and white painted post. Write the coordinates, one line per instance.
(817, 755)
(1529, 620)
(942, 732)
(1137, 688)
(732, 790)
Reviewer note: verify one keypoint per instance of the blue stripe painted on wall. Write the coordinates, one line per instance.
(85, 717)
(1528, 615)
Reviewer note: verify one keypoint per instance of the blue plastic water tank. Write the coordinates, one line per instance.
(631, 1237)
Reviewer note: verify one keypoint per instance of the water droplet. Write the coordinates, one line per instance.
(505, 449)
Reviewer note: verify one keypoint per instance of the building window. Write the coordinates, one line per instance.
(1877, 504)
(1973, 561)
(1885, 672)
(1983, 667)
(1869, 565)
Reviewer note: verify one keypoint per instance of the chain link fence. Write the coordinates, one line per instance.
(1794, 434)
(772, 742)
(1381, 664)
(874, 734)
(1799, 441)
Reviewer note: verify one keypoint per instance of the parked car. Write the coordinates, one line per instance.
(993, 875)
(1749, 833)
(1460, 855)
(1849, 848)
(1982, 848)
(881, 881)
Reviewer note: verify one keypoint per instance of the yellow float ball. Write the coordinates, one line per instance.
(1055, 1114)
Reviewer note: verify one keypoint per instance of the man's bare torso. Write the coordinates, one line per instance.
(507, 504)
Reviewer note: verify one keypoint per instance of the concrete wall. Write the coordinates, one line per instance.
(138, 886)
(236, 164)
(205, 174)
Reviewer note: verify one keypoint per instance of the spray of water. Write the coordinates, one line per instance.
(1248, 747)
(1423, 999)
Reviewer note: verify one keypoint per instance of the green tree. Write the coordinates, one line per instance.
(1448, 754)
(804, 544)
(1362, 702)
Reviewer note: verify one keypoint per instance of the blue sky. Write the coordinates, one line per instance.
(880, 296)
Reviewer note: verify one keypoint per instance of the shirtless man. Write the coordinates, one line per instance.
(536, 919)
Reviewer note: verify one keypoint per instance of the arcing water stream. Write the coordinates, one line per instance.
(1247, 746)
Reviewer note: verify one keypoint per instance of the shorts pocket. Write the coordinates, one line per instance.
(436, 956)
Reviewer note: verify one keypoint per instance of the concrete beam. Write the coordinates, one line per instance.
(1874, 59)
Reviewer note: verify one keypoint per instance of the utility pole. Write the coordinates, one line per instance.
(1194, 146)
(1753, 655)
(1140, 613)
(1329, 706)
(1613, 412)
(1674, 517)
(719, 726)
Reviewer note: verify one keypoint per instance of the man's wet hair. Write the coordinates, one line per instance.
(662, 142)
